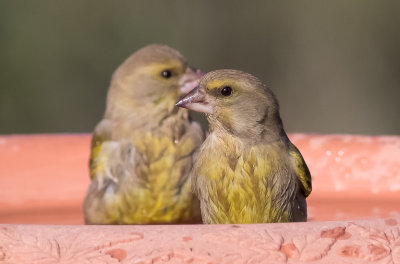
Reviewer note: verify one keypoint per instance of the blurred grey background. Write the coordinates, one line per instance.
(334, 65)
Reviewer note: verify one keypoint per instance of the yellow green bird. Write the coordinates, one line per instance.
(247, 170)
(142, 150)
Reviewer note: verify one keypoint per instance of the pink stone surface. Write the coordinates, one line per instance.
(361, 241)
(44, 178)
(357, 166)
(353, 176)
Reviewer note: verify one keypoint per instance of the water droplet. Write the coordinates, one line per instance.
(340, 152)
(328, 152)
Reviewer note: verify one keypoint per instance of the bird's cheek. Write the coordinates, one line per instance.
(224, 116)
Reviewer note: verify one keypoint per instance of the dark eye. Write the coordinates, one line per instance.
(226, 91)
(166, 74)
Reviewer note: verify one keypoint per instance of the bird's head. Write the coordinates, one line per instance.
(149, 82)
(235, 102)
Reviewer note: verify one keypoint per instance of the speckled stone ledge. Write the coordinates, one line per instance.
(368, 241)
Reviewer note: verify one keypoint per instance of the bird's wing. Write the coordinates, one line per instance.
(101, 134)
(107, 157)
(110, 161)
(301, 169)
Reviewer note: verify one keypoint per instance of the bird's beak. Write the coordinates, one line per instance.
(190, 80)
(195, 100)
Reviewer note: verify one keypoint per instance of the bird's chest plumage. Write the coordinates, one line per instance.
(146, 177)
(158, 185)
(241, 184)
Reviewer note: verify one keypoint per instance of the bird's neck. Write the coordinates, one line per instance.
(251, 133)
(128, 122)
(273, 131)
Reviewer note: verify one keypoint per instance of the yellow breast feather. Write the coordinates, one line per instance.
(151, 186)
(241, 188)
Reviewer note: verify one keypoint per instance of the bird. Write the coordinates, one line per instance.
(247, 170)
(143, 148)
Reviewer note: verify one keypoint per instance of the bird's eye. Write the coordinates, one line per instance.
(166, 74)
(226, 91)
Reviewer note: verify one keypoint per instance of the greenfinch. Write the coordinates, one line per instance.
(247, 170)
(142, 150)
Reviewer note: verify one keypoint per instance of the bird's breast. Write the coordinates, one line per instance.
(237, 185)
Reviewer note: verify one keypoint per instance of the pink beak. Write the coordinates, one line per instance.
(195, 100)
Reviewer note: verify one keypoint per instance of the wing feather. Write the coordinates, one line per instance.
(301, 169)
